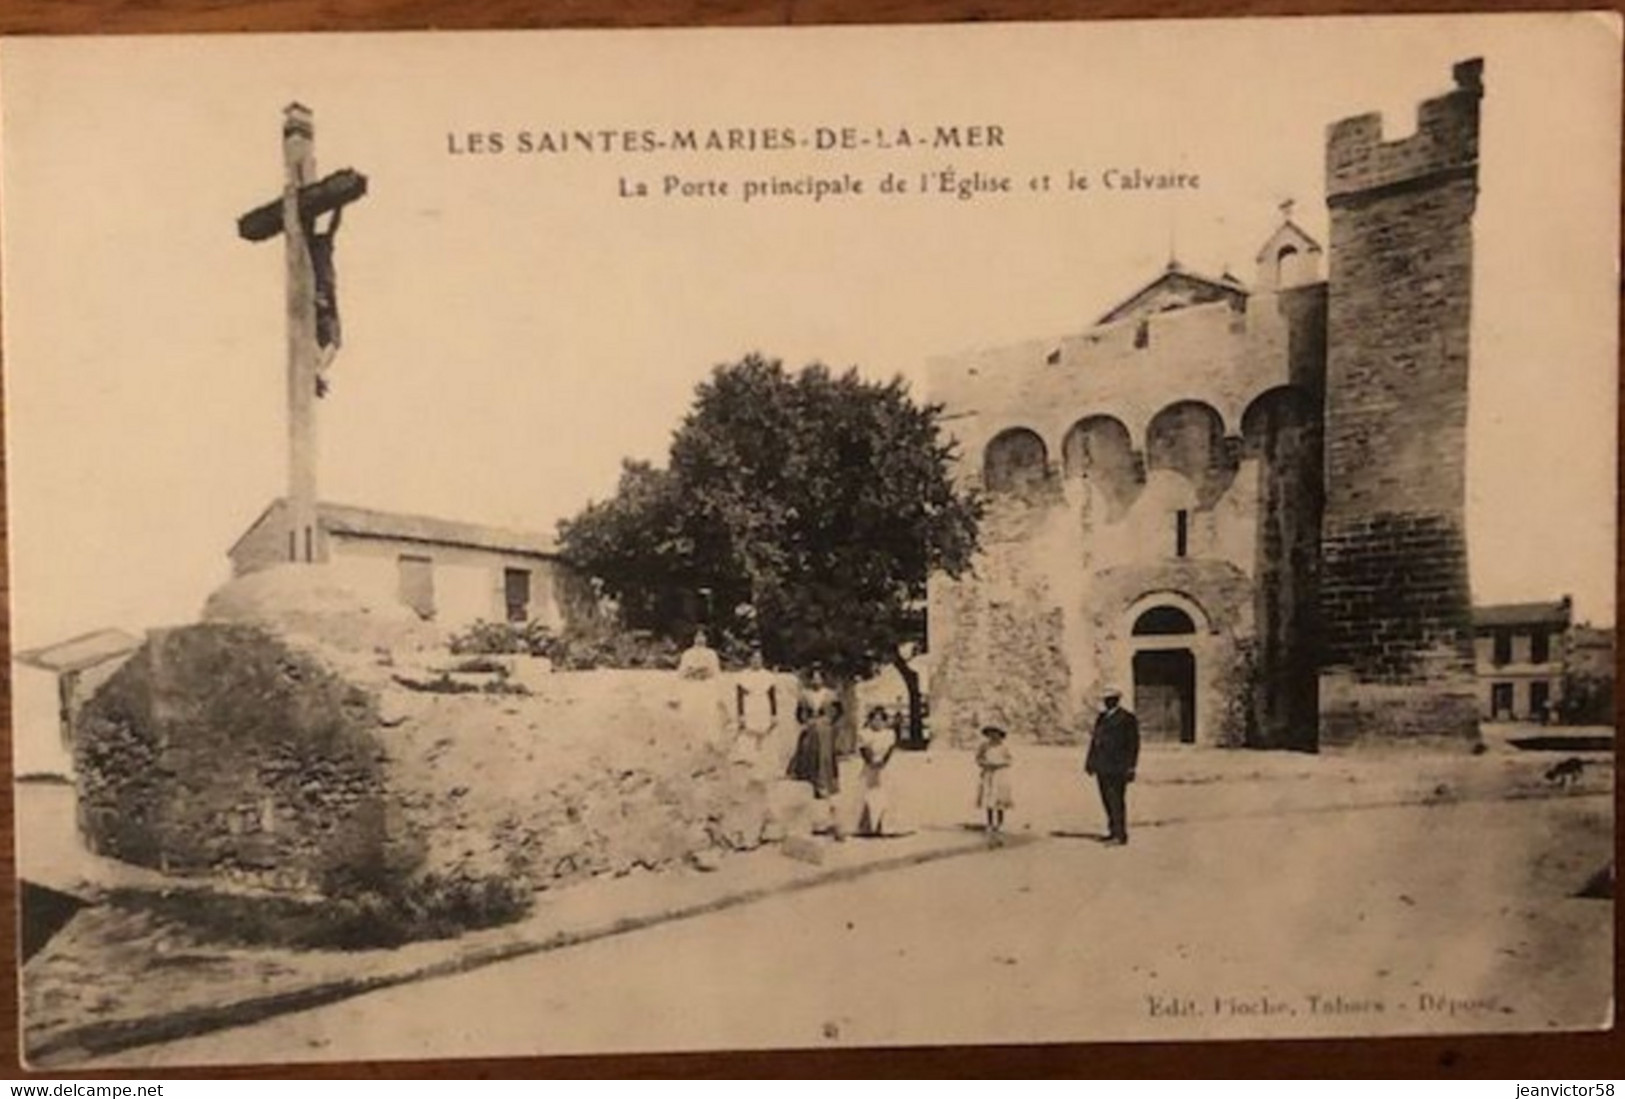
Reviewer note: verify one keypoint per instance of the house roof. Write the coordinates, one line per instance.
(369, 523)
(1175, 288)
(1524, 614)
(358, 522)
(78, 653)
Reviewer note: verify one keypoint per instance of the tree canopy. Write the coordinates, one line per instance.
(804, 509)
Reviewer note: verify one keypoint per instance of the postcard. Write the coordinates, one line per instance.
(535, 543)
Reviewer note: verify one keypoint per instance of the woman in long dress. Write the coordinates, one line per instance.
(756, 708)
(817, 710)
(699, 675)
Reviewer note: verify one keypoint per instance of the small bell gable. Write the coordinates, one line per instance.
(1290, 257)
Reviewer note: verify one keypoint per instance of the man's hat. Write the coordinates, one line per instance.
(1112, 692)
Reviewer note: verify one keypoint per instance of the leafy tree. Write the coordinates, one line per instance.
(639, 546)
(1588, 679)
(1588, 697)
(810, 508)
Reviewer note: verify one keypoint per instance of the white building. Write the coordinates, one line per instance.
(46, 700)
(1520, 650)
(454, 573)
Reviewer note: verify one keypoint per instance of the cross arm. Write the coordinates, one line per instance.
(327, 194)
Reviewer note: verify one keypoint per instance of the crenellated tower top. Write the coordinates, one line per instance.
(1359, 161)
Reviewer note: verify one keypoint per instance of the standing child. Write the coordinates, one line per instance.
(993, 796)
(877, 740)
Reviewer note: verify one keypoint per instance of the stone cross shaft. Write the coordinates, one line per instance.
(312, 310)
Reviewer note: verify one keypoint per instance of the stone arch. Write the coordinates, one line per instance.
(1168, 653)
(1015, 459)
(1163, 620)
(1188, 436)
(1285, 263)
(1098, 449)
(1281, 431)
(1271, 415)
(1201, 621)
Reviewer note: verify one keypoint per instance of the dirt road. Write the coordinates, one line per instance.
(1296, 921)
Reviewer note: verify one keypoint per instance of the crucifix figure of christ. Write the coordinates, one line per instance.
(307, 216)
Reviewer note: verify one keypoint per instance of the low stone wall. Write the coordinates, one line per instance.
(244, 754)
(1353, 712)
(216, 749)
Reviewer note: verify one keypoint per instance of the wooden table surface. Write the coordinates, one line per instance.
(1571, 1057)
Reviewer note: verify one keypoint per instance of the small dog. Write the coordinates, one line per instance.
(1566, 772)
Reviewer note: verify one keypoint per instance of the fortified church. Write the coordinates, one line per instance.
(1242, 502)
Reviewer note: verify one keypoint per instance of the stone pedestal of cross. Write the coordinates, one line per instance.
(312, 307)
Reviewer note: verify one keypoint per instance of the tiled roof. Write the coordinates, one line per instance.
(1205, 289)
(368, 523)
(1523, 614)
(77, 653)
(343, 519)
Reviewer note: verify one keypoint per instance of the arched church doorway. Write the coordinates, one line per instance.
(1165, 675)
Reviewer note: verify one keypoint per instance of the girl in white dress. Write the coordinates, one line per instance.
(877, 740)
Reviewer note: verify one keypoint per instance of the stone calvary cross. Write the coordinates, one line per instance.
(312, 303)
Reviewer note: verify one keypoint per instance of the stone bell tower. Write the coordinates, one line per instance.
(1394, 599)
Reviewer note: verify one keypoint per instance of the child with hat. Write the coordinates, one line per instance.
(993, 795)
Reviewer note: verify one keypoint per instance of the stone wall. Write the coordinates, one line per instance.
(1043, 622)
(1218, 597)
(1283, 434)
(276, 758)
(467, 582)
(1307, 444)
(217, 750)
(1213, 354)
(1394, 593)
(1136, 463)
(999, 640)
(266, 543)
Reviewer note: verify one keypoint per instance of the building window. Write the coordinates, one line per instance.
(1182, 532)
(1503, 647)
(516, 594)
(1142, 334)
(1540, 700)
(1540, 647)
(1500, 700)
(417, 584)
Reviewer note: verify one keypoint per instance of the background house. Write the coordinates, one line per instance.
(451, 572)
(1520, 651)
(45, 706)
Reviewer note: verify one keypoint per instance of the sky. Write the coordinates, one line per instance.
(515, 327)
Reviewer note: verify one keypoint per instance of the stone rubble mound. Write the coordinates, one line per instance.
(312, 606)
(274, 745)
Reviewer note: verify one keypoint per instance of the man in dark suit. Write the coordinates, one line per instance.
(1114, 752)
